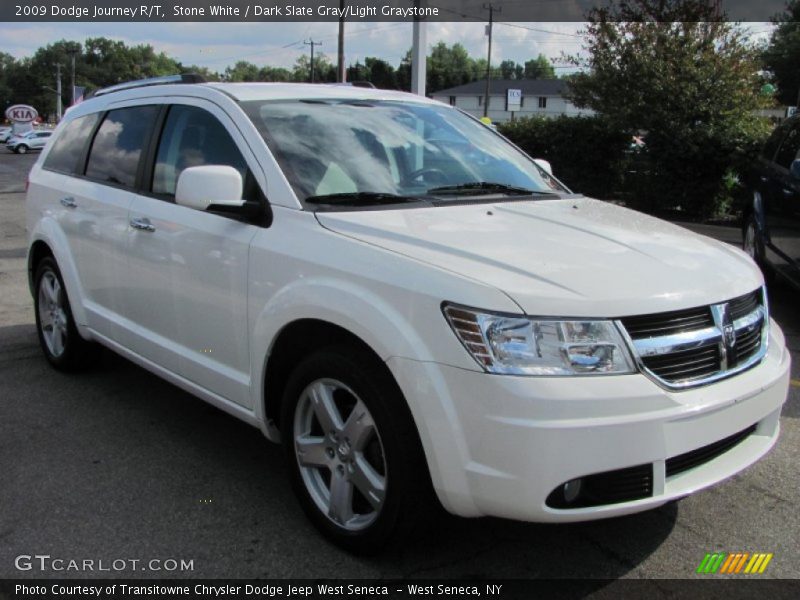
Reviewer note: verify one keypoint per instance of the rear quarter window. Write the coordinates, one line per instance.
(69, 145)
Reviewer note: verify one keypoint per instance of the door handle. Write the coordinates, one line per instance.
(142, 224)
(763, 178)
(787, 192)
(68, 202)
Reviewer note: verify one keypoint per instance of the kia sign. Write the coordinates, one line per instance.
(21, 113)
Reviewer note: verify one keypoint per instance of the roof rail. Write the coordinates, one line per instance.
(361, 84)
(166, 79)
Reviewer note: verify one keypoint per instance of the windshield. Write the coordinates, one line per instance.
(385, 152)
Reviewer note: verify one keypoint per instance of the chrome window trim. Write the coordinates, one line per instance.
(706, 337)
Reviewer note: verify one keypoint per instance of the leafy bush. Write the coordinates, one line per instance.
(587, 153)
(698, 172)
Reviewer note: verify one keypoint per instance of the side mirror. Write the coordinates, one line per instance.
(210, 186)
(544, 165)
(794, 169)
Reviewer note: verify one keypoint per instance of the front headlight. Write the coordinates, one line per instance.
(514, 345)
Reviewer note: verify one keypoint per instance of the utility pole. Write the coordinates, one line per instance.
(59, 109)
(419, 51)
(72, 52)
(490, 7)
(341, 73)
(312, 43)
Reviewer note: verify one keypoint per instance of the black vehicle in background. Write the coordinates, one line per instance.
(771, 225)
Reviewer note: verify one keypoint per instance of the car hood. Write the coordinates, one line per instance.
(566, 257)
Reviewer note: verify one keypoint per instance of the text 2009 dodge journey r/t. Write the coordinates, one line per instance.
(416, 309)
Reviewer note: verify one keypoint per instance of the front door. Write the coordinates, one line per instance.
(194, 263)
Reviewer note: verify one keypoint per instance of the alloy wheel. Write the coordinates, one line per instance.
(52, 314)
(340, 455)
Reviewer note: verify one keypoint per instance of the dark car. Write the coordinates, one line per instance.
(771, 226)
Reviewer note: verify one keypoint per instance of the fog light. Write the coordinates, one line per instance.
(572, 490)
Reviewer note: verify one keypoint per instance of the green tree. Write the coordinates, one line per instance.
(449, 67)
(664, 67)
(106, 62)
(242, 71)
(358, 72)
(782, 55)
(508, 69)
(324, 70)
(539, 68)
(274, 74)
(207, 73)
(7, 66)
(381, 73)
(99, 62)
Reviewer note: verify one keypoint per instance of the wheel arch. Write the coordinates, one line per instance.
(38, 250)
(295, 340)
(47, 239)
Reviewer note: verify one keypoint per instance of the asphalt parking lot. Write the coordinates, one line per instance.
(116, 464)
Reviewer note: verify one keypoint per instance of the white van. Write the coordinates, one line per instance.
(409, 303)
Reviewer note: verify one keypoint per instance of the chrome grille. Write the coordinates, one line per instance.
(669, 323)
(695, 346)
(687, 364)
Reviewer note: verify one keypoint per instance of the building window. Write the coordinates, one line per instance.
(542, 102)
(452, 100)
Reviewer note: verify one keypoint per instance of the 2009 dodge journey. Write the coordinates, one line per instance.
(417, 310)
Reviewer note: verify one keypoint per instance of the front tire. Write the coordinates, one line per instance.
(354, 454)
(21, 149)
(63, 346)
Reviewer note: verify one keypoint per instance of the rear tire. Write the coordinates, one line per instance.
(63, 346)
(21, 149)
(355, 458)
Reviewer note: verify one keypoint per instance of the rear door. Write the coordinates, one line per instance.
(90, 202)
(103, 196)
(190, 266)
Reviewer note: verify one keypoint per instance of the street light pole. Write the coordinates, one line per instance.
(419, 51)
(59, 110)
(341, 72)
(72, 52)
(490, 7)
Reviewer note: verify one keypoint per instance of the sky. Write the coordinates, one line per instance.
(218, 45)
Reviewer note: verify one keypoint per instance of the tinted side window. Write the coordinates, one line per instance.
(789, 148)
(192, 137)
(114, 157)
(68, 147)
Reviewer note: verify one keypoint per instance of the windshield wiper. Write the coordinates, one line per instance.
(478, 187)
(362, 199)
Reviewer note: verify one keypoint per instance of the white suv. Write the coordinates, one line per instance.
(403, 298)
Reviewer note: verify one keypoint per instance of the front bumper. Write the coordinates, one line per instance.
(499, 445)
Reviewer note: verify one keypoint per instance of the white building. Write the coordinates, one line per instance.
(539, 97)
